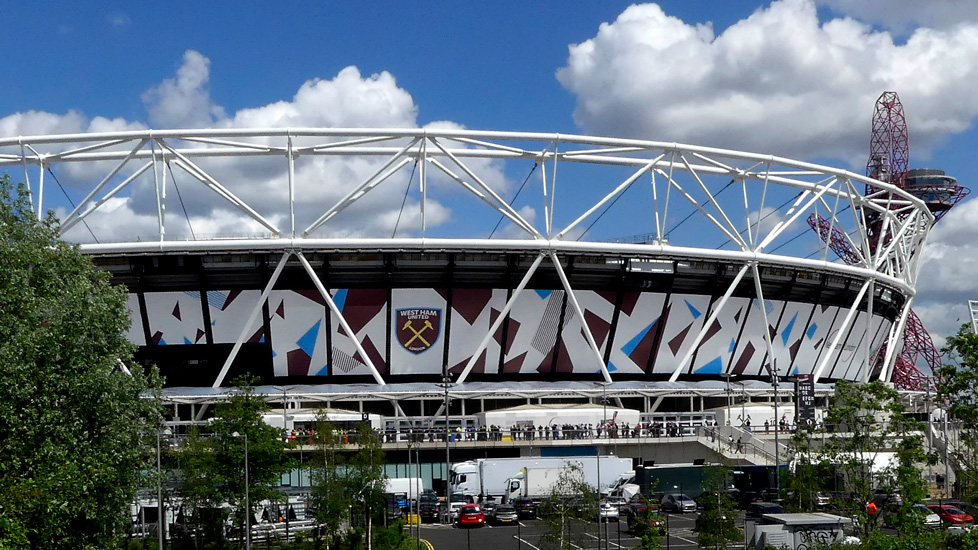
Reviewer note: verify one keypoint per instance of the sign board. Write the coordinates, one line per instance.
(805, 399)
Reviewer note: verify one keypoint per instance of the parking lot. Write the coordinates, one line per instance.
(529, 535)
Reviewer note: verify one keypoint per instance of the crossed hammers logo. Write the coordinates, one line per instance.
(417, 333)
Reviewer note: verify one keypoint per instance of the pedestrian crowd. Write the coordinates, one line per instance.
(516, 432)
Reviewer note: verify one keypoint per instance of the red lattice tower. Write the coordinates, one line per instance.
(889, 157)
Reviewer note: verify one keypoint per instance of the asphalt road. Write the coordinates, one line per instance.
(530, 533)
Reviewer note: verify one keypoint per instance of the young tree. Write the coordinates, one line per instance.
(238, 422)
(330, 498)
(811, 471)
(570, 499)
(715, 525)
(365, 478)
(958, 386)
(71, 419)
(868, 418)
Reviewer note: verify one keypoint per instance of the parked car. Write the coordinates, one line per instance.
(525, 507)
(822, 499)
(429, 508)
(607, 511)
(470, 515)
(618, 502)
(646, 517)
(929, 518)
(678, 503)
(758, 509)
(454, 509)
(488, 507)
(504, 514)
(951, 515)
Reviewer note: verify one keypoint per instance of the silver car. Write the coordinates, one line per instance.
(931, 519)
(678, 502)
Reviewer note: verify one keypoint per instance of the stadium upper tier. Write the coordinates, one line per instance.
(395, 255)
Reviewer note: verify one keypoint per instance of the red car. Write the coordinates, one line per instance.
(471, 516)
(951, 515)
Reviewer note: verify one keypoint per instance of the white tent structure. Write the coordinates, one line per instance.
(557, 414)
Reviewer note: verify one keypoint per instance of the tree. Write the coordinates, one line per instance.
(715, 525)
(958, 386)
(238, 422)
(812, 472)
(330, 499)
(570, 499)
(357, 485)
(866, 420)
(365, 478)
(72, 420)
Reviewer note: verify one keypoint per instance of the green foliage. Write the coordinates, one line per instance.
(867, 419)
(812, 473)
(715, 525)
(212, 464)
(958, 386)
(570, 499)
(70, 419)
(349, 490)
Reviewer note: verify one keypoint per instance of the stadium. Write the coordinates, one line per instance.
(388, 270)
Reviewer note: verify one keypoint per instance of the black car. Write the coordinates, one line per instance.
(525, 507)
(429, 507)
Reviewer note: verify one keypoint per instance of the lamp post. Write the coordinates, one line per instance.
(727, 376)
(247, 490)
(446, 382)
(160, 516)
(777, 442)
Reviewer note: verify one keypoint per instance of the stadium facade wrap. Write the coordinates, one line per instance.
(396, 256)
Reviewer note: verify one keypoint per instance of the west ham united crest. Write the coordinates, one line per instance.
(417, 329)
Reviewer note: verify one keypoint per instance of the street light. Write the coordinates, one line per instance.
(160, 522)
(446, 382)
(597, 451)
(729, 396)
(247, 483)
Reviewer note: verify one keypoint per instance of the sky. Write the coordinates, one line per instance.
(796, 78)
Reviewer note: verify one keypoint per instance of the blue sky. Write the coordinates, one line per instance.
(790, 77)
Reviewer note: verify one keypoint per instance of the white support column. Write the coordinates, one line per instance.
(867, 337)
(894, 343)
(767, 331)
(706, 325)
(423, 185)
(580, 312)
(339, 316)
(842, 331)
(499, 320)
(291, 153)
(251, 319)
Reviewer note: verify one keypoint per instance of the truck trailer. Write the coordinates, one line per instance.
(491, 476)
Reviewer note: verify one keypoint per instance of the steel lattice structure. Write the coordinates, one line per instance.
(889, 158)
(304, 221)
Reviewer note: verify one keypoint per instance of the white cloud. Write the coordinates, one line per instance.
(348, 100)
(778, 81)
(902, 15)
(184, 101)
